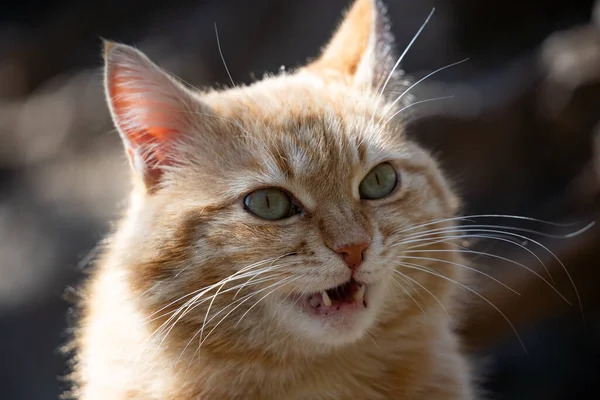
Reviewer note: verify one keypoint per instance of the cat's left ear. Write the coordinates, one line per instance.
(362, 49)
(152, 111)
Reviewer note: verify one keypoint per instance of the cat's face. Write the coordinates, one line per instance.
(279, 211)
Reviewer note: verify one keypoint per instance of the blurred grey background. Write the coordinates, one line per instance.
(520, 136)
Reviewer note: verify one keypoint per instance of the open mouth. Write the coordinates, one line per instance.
(347, 296)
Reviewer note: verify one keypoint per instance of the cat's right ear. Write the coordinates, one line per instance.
(362, 49)
(150, 109)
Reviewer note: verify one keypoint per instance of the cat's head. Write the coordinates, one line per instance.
(285, 206)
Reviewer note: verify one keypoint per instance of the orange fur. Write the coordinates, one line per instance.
(314, 133)
(344, 52)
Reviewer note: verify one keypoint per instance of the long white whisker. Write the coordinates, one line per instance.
(501, 239)
(241, 301)
(419, 268)
(564, 268)
(266, 279)
(470, 217)
(414, 104)
(203, 300)
(508, 228)
(254, 305)
(256, 275)
(424, 288)
(463, 266)
(398, 63)
(184, 309)
(221, 54)
(211, 303)
(197, 303)
(276, 284)
(408, 294)
(197, 296)
(201, 291)
(390, 106)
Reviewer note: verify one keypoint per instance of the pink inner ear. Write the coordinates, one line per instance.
(147, 124)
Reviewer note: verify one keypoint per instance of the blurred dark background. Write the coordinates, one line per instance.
(520, 137)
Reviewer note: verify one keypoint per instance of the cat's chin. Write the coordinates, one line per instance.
(337, 316)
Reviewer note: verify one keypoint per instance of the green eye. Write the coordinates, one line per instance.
(270, 204)
(379, 182)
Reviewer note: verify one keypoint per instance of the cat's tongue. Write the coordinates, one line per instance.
(349, 295)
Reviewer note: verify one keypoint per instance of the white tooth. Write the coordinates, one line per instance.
(326, 299)
(359, 294)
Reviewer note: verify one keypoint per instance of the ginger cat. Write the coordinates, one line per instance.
(269, 248)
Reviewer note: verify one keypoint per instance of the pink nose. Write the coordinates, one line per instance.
(353, 254)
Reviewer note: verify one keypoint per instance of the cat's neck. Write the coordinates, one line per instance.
(302, 376)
